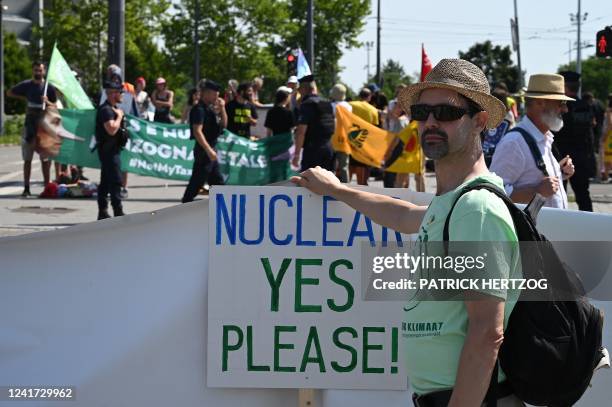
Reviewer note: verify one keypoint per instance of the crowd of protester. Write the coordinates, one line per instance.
(572, 134)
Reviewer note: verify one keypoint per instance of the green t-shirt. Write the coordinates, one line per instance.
(434, 331)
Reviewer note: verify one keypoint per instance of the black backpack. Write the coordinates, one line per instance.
(550, 348)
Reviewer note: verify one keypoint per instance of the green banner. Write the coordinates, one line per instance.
(165, 151)
(246, 162)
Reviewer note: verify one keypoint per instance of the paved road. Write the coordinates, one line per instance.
(20, 216)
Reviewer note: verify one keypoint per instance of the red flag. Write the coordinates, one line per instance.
(425, 63)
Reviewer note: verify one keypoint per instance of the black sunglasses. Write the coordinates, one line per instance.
(443, 113)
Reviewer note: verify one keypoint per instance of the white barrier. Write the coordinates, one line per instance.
(118, 310)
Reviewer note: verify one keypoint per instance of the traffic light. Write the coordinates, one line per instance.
(603, 43)
(292, 62)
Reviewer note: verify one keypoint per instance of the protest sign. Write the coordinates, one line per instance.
(288, 312)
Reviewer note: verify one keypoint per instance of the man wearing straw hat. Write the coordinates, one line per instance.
(524, 157)
(450, 364)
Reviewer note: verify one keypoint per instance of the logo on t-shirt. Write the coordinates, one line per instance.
(421, 329)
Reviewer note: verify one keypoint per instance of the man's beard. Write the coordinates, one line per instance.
(436, 150)
(552, 120)
(38, 77)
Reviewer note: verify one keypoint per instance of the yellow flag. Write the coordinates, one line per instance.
(363, 141)
(411, 159)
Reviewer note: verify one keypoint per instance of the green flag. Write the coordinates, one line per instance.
(60, 75)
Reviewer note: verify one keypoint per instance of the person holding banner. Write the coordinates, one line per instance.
(453, 363)
(32, 91)
(207, 120)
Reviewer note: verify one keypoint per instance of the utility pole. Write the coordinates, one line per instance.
(41, 25)
(116, 34)
(1, 68)
(369, 45)
(578, 18)
(378, 78)
(521, 82)
(310, 35)
(196, 45)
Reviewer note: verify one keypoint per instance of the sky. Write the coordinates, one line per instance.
(449, 26)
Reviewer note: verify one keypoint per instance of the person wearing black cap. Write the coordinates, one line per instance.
(110, 140)
(315, 128)
(576, 140)
(207, 119)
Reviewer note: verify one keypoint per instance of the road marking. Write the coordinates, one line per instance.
(10, 190)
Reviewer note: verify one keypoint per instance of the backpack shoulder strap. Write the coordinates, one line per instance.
(482, 185)
(533, 147)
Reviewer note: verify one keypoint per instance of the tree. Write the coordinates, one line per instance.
(81, 31)
(17, 67)
(596, 76)
(337, 24)
(495, 61)
(241, 39)
(79, 28)
(233, 40)
(393, 74)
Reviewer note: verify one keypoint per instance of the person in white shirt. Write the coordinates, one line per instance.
(513, 159)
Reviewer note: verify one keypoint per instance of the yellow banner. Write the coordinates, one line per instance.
(411, 160)
(363, 141)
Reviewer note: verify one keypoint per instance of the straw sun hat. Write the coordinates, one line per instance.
(546, 86)
(463, 77)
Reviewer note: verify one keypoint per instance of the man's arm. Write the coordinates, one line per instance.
(198, 133)
(386, 211)
(17, 91)
(222, 112)
(113, 125)
(300, 133)
(253, 118)
(485, 335)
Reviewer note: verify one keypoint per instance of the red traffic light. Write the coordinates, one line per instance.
(290, 58)
(603, 43)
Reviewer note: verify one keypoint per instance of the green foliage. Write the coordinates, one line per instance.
(17, 67)
(79, 28)
(239, 39)
(143, 56)
(495, 61)
(393, 74)
(337, 24)
(13, 129)
(596, 76)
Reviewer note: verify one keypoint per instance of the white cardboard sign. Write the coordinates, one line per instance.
(284, 305)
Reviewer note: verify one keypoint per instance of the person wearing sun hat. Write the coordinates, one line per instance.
(449, 364)
(514, 161)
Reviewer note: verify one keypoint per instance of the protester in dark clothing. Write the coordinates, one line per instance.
(242, 114)
(207, 120)
(109, 128)
(315, 128)
(575, 139)
(32, 91)
(280, 119)
(598, 113)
